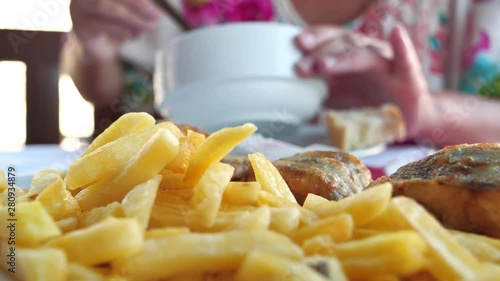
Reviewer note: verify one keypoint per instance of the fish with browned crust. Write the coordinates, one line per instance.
(459, 184)
(332, 175)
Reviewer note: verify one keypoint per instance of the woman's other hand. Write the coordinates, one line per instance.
(364, 71)
(101, 26)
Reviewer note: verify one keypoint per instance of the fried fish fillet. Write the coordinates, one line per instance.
(332, 175)
(459, 184)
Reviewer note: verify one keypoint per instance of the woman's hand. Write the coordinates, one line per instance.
(101, 26)
(363, 71)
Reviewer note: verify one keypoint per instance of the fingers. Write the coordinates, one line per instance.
(332, 51)
(116, 18)
(406, 61)
(120, 13)
(311, 38)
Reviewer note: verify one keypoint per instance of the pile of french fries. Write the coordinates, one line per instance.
(147, 201)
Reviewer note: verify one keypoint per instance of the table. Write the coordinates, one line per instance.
(35, 157)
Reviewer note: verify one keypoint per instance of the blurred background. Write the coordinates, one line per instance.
(30, 32)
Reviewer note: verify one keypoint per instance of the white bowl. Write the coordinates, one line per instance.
(235, 73)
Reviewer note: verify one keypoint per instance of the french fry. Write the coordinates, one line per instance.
(207, 194)
(271, 267)
(99, 214)
(312, 200)
(284, 220)
(58, 201)
(3, 181)
(241, 193)
(166, 232)
(67, 224)
(269, 199)
(195, 138)
(30, 222)
(171, 180)
(44, 178)
(147, 163)
(451, 261)
(138, 203)
(102, 242)
(400, 253)
(165, 257)
(125, 125)
(107, 161)
(269, 177)
(363, 206)
(479, 248)
(78, 272)
(259, 220)
(45, 264)
(213, 149)
(339, 228)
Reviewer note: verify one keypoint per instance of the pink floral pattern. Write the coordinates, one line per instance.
(220, 11)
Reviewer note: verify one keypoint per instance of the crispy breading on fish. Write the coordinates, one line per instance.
(459, 184)
(333, 175)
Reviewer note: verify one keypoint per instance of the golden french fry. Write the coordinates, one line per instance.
(58, 201)
(339, 228)
(107, 161)
(3, 181)
(479, 248)
(67, 224)
(213, 149)
(195, 138)
(44, 264)
(166, 232)
(268, 199)
(171, 180)
(271, 267)
(207, 194)
(102, 242)
(180, 163)
(360, 233)
(285, 219)
(165, 257)
(241, 193)
(397, 253)
(147, 163)
(495, 243)
(44, 178)
(138, 203)
(95, 215)
(312, 200)
(259, 220)
(125, 125)
(269, 177)
(78, 272)
(30, 224)
(363, 206)
(450, 260)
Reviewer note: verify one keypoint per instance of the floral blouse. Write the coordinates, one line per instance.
(473, 53)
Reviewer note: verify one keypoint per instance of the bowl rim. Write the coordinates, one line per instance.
(230, 25)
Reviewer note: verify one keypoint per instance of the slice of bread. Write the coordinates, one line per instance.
(360, 128)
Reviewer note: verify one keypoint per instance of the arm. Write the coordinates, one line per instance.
(459, 118)
(100, 28)
(330, 11)
(98, 82)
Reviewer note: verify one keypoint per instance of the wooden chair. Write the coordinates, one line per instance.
(40, 51)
